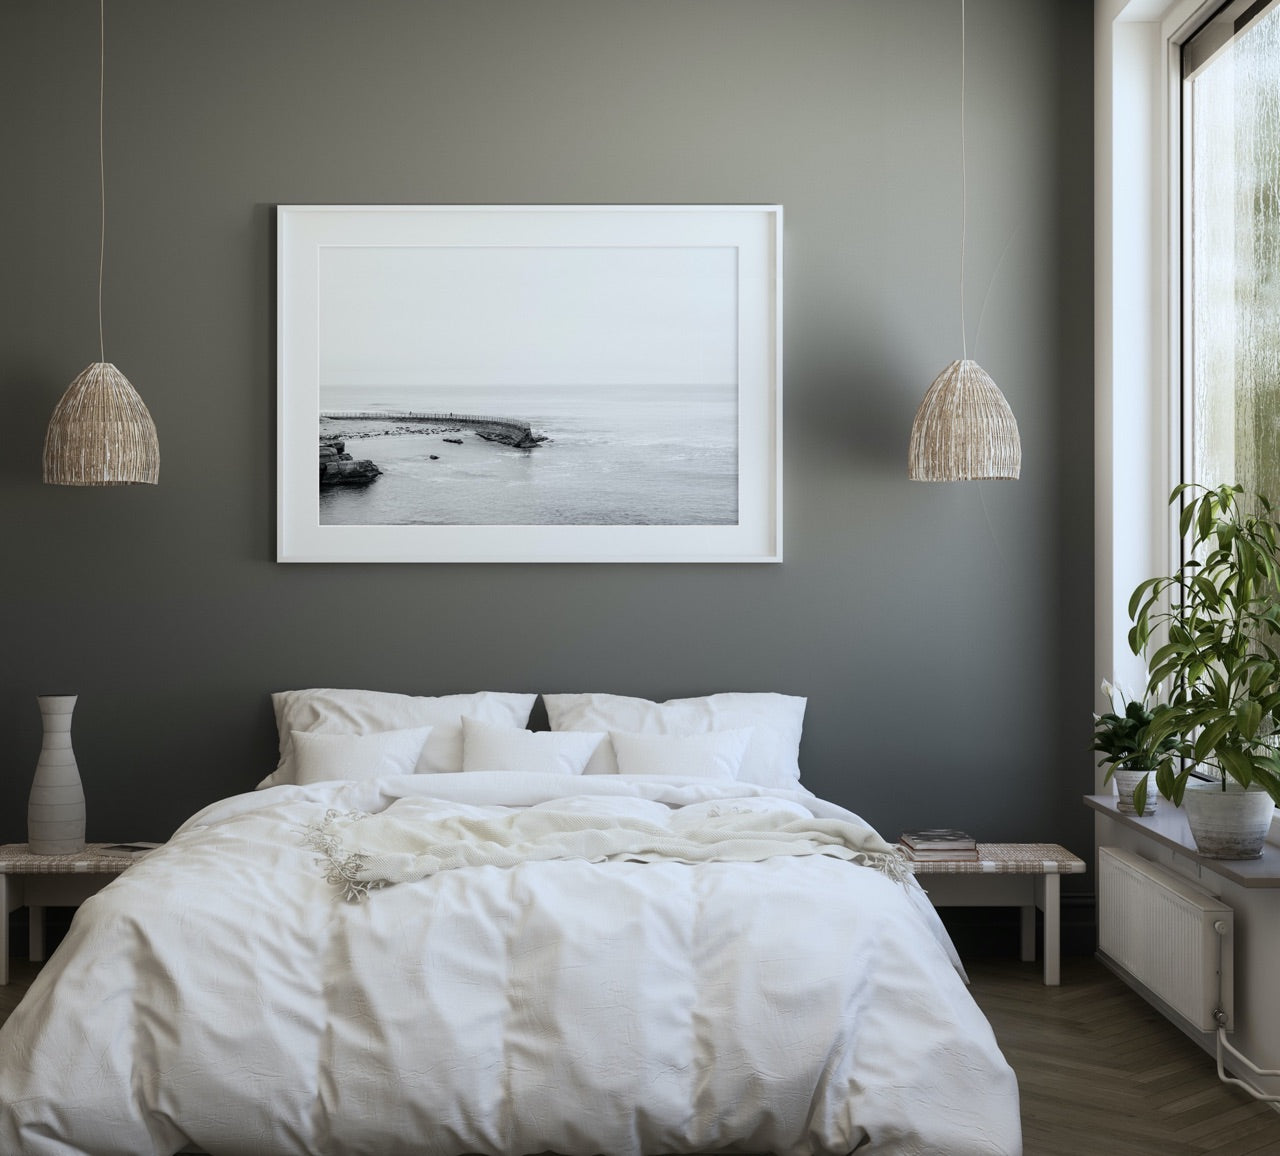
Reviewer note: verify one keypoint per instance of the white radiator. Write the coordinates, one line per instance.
(1168, 935)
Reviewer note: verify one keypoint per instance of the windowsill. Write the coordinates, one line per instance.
(1168, 827)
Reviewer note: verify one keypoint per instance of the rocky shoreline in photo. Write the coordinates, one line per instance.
(357, 428)
(355, 424)
(339, 468)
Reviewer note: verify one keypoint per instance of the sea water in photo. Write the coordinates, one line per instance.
(617, 456)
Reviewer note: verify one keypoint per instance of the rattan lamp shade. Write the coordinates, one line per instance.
(964, 430)
(101, 433)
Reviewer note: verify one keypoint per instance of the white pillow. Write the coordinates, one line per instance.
(490, 748)
(319, 758)
(773, 754)
(362, 712)
(714, 755)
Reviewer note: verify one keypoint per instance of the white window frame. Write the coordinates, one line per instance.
(1137, 309)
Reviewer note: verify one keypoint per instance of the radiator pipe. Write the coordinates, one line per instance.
(1224, 1044)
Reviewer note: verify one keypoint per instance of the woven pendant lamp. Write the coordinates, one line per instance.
(101, 433)
(964, 430)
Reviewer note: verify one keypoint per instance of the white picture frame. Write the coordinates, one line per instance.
(621, 303)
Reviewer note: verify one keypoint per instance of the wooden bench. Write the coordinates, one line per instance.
(40, 881)
(1024, 875)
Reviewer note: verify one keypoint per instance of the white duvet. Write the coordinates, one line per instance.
(224, 994)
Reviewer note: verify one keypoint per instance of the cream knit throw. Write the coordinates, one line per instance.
(362, 852)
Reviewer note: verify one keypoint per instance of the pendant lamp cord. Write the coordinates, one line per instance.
(964, 188)
(102, 172)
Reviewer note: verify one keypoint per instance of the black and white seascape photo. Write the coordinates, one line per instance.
(556, 383)
(537, 386)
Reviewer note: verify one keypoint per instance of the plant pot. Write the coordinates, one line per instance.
(1126, 782)
(1230, 824)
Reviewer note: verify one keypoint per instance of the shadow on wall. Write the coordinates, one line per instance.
(859, 414)
(30, 395)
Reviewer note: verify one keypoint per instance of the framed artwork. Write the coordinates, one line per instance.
(555, 383)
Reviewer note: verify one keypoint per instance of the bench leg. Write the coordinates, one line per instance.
(1028, 931)
(1052, 931)
(35, 933)
(4, 929)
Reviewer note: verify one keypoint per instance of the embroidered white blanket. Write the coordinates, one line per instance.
(218, 994)
(408, 841)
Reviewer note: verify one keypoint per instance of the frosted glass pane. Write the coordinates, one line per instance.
(1234, 202)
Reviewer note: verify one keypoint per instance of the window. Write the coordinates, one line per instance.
(1146, 270)
(1231, 248)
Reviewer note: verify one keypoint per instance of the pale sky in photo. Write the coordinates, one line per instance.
(475, 315)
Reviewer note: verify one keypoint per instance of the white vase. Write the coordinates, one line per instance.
(55, 807)
(1230, 824)
(1126, 782)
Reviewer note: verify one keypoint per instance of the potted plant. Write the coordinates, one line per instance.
(1121, 736)
(1220, 623)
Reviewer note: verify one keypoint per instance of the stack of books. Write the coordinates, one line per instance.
(136, 850)
(939, 843)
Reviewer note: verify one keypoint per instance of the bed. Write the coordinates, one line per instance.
(635, 934)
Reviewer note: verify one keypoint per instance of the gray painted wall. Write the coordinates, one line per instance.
(942, 633)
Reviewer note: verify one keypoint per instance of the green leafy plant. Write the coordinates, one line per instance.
(1220, 623)
(1121, 735)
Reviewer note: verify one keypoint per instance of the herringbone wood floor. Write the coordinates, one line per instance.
(1100, 1073)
